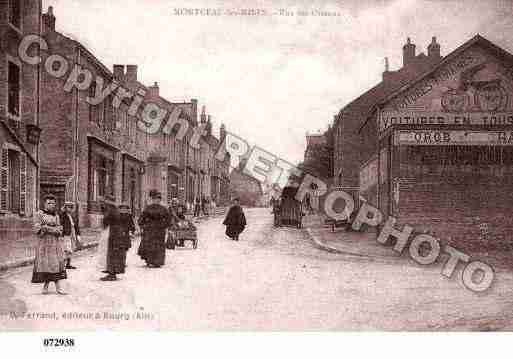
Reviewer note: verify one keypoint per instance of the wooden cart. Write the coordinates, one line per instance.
(179, 235)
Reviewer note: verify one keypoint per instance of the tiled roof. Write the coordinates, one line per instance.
(360, 108)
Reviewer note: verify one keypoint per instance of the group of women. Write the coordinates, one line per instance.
(51, 257)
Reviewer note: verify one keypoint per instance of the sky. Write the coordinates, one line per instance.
(272, 78)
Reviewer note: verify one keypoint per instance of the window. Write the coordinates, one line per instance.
(97, 113)
(13, 177)
(15, 13)
(92, 108)
(101, 171)
(103, 178)
(119, 119)
(13, 86)
(14, 182)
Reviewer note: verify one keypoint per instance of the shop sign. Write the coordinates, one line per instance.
(453, 138)
(388, 119)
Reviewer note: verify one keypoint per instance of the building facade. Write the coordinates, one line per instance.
(443, 156)
(19, 121)
(92, 152)
(350, 148)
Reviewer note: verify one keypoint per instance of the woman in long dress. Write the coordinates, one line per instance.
(154, 222)
(235, 221)
(50, 260)
(120, 224)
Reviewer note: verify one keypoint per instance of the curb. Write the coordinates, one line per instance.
(29, 261)
(319, 245)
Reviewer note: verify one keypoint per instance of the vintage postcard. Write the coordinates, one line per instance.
(235, 165)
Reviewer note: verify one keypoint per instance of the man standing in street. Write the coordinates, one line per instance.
(70, 232)
(197, 206)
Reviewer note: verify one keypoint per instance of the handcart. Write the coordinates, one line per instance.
(182, 232)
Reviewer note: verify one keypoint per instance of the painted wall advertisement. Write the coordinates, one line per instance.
(472, 90)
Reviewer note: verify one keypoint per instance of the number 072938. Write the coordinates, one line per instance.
(58, 342)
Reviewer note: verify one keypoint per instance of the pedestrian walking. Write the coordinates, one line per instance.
(154, 222)
(235, 220)
(197, 207)
(120, 226)
(70, 232)
(205, 203)
(213, 206)
(49, 263)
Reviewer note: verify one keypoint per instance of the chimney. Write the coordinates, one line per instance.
(209, 126)
(222, 132)
(387, 74)
(434, 49)
(131, 73)
(194, 103)
(49, 19)
(153, 91)
(203, 118)
(408, 53)
(119, 72)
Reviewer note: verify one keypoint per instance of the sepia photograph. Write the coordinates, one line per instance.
(229, 166)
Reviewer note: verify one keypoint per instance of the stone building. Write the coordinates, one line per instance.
(443, 148)
(19, 121)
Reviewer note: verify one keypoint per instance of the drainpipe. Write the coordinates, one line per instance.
(38, 109)
(75, 152)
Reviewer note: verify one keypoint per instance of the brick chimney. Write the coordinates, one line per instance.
(49, 20)
(434, 49)
(131, 73)
(222, 132)
(408, 53)
(209, 126)
(387, 74)
(194, 103)
(154, 91)
(203, 117)
(119, 72)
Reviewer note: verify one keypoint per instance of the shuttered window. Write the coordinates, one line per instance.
(13, 181)
(4, 180)
(23, 183)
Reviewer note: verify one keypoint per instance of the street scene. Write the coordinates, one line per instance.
(283, 167)
(272, 279)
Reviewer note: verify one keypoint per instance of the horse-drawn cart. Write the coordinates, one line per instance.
(289, 212)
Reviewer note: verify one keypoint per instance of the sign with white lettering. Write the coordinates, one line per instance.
(453, 138)
(388, 119)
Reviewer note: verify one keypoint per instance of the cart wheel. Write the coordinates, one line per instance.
(195, 244)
